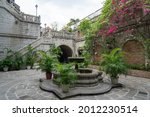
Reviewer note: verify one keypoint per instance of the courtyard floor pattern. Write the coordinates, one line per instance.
(24, 85)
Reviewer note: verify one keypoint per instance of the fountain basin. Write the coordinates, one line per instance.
(76, 59)
(88, 77)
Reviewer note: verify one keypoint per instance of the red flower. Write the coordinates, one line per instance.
(123, 1)
(112, 29)
(113, 1)
(146, 11)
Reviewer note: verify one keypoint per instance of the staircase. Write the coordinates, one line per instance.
(34, 44)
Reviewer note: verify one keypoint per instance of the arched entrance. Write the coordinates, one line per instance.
(66, 52)
(134, 52)
(80, 51)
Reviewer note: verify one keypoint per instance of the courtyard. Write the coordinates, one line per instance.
(24, 85)
(115, 45)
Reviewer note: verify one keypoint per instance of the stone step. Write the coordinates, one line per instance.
(49, 86)
(89, 82)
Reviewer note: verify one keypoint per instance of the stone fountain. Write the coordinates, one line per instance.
(85, 76)
(89, 82)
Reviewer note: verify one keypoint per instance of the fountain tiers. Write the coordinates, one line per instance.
(85, 76)
(89, 82)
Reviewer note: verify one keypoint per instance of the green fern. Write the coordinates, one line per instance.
(113, 63)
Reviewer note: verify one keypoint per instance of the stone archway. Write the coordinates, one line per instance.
(66, 52)
(134, 52)
(80, 51)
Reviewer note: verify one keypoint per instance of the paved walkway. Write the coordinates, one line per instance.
(24, 85)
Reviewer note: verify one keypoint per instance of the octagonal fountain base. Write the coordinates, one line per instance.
(89, 82)
(88, 77)
(49, 86)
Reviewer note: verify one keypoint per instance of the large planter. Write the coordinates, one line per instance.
(114, 81)
(5, 69)
(65, 88)
(48, 75)
(28, 67)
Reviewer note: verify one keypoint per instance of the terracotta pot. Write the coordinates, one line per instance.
(48, 75)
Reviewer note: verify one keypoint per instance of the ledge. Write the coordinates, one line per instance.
(101, 88)
(17, 36)
(139, 73)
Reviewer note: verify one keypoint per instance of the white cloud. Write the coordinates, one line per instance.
(60, 11)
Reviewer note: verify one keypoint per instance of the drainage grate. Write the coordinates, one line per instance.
(142, 94)
(25, 97)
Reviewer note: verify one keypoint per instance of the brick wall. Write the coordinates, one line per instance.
(97, 50)
(134, 52)
(139, 73)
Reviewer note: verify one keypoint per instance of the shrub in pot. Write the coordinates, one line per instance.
(1, 67)
(18, 62)
(15, 58)
(6, 64)
(113, 64)
(29, 62)
(46, 63)
(30, 57)
(67, 76)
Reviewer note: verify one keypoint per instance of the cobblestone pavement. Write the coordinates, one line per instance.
(24, 85)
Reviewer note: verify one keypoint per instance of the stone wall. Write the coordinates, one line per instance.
(11, 25)
(16, 28)
(12, 43)
(79, 44)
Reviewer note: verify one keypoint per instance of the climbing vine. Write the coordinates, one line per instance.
(115, 15)
(90, 29)
(125, 11)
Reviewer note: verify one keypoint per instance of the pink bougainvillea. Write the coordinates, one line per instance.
(123, 1)
(111, 30)
(146, 10)
(123, 14)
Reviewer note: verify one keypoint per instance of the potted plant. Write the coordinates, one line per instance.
(67, 76)
(46, 63)
(17, 61)
(113, 64)
(30, 57)
(6, 63)
(1, 67)
(29, 62)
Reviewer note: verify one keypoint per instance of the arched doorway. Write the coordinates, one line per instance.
(134, 52)
(66, 52)
(80, 51)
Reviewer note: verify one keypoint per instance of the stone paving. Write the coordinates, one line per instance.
(24, 85)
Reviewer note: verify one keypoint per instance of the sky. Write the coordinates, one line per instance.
(59, 11)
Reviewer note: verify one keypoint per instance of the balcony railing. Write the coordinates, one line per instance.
(62, 34)
(31, 18)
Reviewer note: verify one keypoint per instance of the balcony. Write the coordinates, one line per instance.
(31, 18)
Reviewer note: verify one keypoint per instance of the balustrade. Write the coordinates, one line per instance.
(31, 18)
(62, 34)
